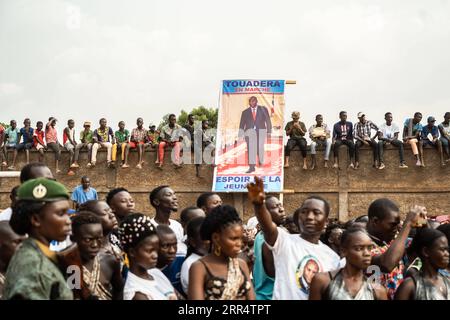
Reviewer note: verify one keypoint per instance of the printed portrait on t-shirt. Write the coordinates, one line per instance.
(308, 267)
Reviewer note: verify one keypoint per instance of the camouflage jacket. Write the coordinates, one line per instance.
(33, 276)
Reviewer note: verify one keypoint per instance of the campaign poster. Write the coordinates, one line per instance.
(250, 135)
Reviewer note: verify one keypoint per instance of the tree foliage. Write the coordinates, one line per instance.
(201, 113)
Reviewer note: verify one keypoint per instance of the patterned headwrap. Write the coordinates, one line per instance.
(134, 228)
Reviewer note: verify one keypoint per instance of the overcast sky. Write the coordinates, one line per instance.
(123, 59)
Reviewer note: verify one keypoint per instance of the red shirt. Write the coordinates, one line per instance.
(51, 135)
(38, 137)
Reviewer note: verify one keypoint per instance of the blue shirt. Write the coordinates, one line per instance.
(412, 128)
(426, 130)
(445, 273)
(173, 273)
(261, 281)
(27, 136)
(343, 131)
(81, 196)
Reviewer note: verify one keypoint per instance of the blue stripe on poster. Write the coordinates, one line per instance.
(239, 183)
(253, 86)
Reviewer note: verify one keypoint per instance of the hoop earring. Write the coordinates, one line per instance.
(217, 250)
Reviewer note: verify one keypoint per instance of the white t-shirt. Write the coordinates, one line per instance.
(389, 131)
(185, 271)
(252, 222)
(296, 262)
(59, 246)
(179, 232)
(5, 215)
(159, 288)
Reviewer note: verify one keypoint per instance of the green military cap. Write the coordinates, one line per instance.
(42, 189)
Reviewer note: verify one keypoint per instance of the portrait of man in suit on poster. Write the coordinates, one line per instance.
(255, 126)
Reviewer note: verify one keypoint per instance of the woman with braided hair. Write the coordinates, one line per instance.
(221, 275)
(144, 281)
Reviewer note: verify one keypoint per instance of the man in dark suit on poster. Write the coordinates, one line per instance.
(255, 126)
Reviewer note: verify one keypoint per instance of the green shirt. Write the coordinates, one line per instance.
(295, 133)
(86, 137)
(33, 276)
(12, 135)
(122, 137)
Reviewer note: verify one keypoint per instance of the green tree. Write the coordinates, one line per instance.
(201, 113)
(4, 125)
(164, 121)
(182, 118)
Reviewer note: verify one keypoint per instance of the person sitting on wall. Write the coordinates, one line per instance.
(412, 129)
(343, 135)
(430, 137)
(296, 132)
(362, 133)
(320, 136)
(388, 134)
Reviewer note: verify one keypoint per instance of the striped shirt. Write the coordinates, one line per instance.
(363, 130)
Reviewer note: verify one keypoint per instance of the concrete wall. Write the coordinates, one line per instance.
(348, 191)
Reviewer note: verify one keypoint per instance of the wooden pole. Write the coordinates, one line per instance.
(287, 190)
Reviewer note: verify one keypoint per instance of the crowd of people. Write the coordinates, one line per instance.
(106, 250)
(13, 139)
(363, 133)
(188, 136)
